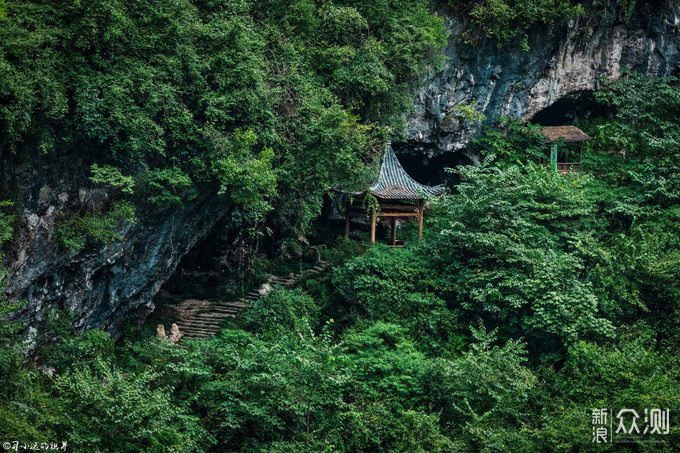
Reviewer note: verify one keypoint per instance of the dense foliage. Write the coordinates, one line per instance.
(532, 299)
(273, 102)
(507, 22)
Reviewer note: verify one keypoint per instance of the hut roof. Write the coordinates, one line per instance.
(394, 183)
(568, 134)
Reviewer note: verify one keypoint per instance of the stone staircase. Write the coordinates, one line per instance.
(202, 318)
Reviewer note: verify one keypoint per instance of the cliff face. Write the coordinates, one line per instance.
(564, 66)
(102, 283)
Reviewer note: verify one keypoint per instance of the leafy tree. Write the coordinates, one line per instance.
(634, 156)
(646, 111)
(513, 141)
(107, 410)
(387, 363)
(270, 103)
(398, 285)
(483, 392)
(512, 246)
(631, 372)
(281, 312)
(267, 392)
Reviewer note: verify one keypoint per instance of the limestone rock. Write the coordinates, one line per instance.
(175, 334)
(264, 289)
(160, 332)
(104, 283)
(312, 255)
(563, 64)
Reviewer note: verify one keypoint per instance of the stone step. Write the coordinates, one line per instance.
(200, 332)
(211, 317)
(223, 307)
(194, 327)
(226, 311)
(205, 322)
(237, 304)
(198, 335)
(193, 333)
(199, 325)
(216, 319)
(230, 310)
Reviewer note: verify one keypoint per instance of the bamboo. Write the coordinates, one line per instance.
(372, 226)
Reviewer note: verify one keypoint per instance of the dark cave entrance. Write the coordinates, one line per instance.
(571, 109)
(201, 271)
(430, 170)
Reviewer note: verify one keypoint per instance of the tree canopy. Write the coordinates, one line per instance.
(274, 102)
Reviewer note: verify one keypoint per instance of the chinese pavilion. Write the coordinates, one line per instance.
(569, 160)
(398, 195)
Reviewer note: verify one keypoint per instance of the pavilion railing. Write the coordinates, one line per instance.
(567, 167)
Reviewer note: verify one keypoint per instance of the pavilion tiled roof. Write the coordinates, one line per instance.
(394, 183)
(568, 134)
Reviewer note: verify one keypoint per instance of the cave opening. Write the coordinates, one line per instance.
(202, 269)
(571, 109)
(431, 170)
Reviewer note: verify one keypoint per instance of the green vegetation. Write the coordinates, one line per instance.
(532, 299)
(98, 226)
(466, 113)
(7, 307)
(6, 220)
(112, 176)
(508, 22)
(273, 103)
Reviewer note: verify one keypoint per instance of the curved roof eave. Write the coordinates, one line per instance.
(394, 183)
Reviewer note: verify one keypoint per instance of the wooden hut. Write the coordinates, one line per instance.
(398, 195)
(569, 159)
